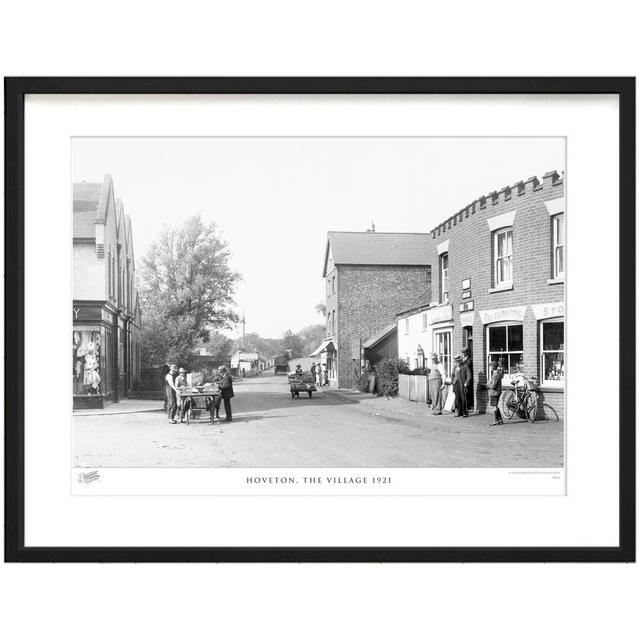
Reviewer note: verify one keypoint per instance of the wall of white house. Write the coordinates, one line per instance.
(411, 335)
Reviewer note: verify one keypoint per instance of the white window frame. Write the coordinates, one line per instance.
(444, 278)
(496, 258)
(551, 383)
(507, 377)
(556, 221)
(445, 360)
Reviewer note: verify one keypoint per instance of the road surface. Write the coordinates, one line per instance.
(270, 429)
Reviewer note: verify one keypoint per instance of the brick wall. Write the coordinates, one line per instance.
(470, 256)
(368, 299)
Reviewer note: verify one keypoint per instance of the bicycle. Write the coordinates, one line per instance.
(523, 400)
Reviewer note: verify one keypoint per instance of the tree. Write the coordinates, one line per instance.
(219, 346)
(311, 337)
(321, 308)
(186, 290)
(292, 342)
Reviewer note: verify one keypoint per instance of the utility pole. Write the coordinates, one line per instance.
(243, 323)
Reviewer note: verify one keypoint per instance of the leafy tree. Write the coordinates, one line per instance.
(266, 347)
(186, 290)
(219, 346)
(293, 343)
(311, 337)
(321, 308)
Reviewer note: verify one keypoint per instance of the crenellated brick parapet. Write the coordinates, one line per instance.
(550, 180)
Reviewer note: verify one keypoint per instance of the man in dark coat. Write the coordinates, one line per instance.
(461, 380)
(226, 391)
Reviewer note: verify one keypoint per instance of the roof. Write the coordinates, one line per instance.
(351, 247)
(86, 200)
(323, 347)
(421, 302)
(380, 336)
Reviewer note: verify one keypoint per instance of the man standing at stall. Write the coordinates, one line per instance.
(170, 392)
(225, 385)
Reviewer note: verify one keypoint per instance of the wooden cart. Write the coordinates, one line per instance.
(304, 384)
(193, 394)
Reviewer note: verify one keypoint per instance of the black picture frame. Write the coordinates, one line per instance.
(15, 91)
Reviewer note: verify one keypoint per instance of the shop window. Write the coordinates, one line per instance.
(444, 278)
(552, 352)
(558, 245)
(87, 350)
(442, 347)
(505, 346)
(503, 257)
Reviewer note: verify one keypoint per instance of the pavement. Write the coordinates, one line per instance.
(334, 428)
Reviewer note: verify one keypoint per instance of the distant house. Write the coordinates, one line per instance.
(106, 312)
(370, 277)
(246, 361)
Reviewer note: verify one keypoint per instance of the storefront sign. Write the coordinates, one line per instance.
(440, 314)
(550, 310)
(466, 306)
(515, 314)
(466, 319)
(83, 314)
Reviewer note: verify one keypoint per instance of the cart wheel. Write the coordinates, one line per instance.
(310, 392)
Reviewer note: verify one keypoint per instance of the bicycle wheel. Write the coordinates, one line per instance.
(531, 406)
(509, 404)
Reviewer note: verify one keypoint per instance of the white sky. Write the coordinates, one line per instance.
(274, 199)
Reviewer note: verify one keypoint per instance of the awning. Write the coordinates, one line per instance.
(324, 346)
(381, 335)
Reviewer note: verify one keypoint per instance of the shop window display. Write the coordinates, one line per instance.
(87, 345)
(552, 352)
(506, 348)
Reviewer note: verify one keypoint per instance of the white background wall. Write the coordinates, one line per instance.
(330, 601)
(408, 342)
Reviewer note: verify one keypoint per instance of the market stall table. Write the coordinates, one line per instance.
(194, 393)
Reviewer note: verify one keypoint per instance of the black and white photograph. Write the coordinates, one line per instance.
(318, 302)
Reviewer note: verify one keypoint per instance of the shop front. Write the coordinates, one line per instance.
(527, 340)
(95, 370)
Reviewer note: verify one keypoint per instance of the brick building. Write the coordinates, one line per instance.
(369, 277)
(498, 289)
(106, 313)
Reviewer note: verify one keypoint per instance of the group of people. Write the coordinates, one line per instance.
(320, 374)
(176, 379)
(462, 385)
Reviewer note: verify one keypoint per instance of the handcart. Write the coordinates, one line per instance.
(304, 383)
(191, 397)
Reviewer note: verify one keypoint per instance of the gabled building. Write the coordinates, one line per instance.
(106, 311)
(370, 277)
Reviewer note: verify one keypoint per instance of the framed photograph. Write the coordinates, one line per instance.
(265, 288)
